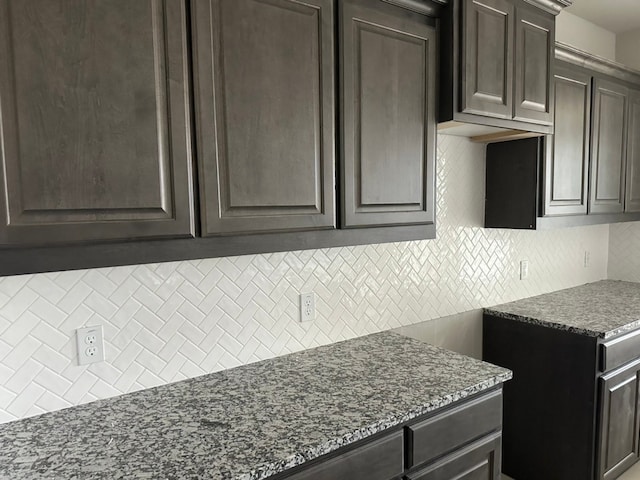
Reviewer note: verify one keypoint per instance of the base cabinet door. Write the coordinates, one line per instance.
(566, 162)
(632, 192)
(94, 121)
(264, 89)
(608, 147)
(620, 420)
(478, 461)
(388, 59)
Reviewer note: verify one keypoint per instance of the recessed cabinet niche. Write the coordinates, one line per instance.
(94, 105)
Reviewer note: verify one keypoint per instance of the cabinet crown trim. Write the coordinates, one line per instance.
(575, 56)
(552, 6)
(431, 8)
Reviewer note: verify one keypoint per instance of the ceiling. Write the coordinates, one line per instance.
(617, 16)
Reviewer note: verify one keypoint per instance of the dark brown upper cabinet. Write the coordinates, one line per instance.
(585, 174)
(264, 87)
(566, 161)
(496, 64)
(94, 109)
(632, 192)
(388, 60)
(608, 147)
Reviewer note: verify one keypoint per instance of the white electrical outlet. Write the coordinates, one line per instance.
(587, 258)
(307, 307)
(524, 269)
(90, 345)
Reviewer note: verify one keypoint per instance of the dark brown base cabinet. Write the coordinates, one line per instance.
(571, 411)
(462, 441)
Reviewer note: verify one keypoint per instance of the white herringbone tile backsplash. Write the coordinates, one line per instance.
(166, 322)
(624, 252)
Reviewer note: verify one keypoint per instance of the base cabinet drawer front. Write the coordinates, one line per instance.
(478, 461)
(380, 460)
(619, 351)
(443, 433)
(620, 421)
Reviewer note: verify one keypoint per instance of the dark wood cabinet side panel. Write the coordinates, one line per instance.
(608, 147)
(534, 60)
(487, 58)
(566, 165)
(95, 121)
(632, 191)
(388, 109)
(549, 425)
(264, 88)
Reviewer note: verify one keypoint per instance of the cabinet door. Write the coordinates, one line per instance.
(566, 164)
(632, 192)
(479, 461)
(388, 158)
(608, 147)
(619, 421)
(264, 85)
(534, 58)
(487, 58)
(94, 112)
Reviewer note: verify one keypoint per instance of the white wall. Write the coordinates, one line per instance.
(166, 322)
(628, 48)
(585, 35)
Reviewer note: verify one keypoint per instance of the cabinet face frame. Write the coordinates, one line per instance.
(225, 196)
(553, 206)
(399, 25)
(171, 214)
(632, 190)
(603, 89)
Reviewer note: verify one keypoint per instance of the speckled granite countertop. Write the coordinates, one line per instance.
(248, 422)
(601, 309)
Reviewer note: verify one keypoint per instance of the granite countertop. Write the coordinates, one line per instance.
(602, 309)
(248, 422)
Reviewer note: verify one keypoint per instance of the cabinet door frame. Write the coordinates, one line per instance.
(577, 206)
(397, 21)
(172, 217)
(525, 110)
(597, 205)
(632, 198)
(471, 100)
(608, 384)
(218, 215)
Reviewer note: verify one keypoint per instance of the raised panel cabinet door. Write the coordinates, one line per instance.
(388, 110)
(94, 113)
(566, 162)
(480, 460)
(534, 59)
(608, 147)
(632, 191)
(264, 91)
(619, 421)
(487, 58)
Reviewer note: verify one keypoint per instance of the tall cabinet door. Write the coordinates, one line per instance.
(94, 112)
(620, 421)
(487, 58)
(388, 153)
(566, 165)
(632, 192)
(608, 147)
(264, 87)
(534, 57)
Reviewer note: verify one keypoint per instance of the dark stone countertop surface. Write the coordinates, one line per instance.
(602, 309)
(250, 422)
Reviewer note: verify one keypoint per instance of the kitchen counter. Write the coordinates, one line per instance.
(602, 309)
(249, 422)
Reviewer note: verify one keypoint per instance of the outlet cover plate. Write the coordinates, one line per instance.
(307, 307)
(90, 344)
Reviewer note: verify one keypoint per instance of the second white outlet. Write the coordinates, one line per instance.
(90, 345)
(307, 307)
(524, 269)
